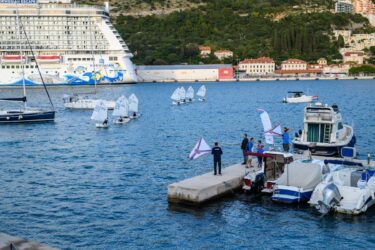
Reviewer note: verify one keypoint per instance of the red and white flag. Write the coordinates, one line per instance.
(201, 148)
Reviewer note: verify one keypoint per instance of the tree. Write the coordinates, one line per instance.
(340, 42)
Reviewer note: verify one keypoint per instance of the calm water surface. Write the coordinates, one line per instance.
(73, 186)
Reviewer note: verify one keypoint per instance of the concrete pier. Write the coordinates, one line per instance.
(206, 187)
(20, 244)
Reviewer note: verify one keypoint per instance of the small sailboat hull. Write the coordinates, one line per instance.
(121, 121)
(26, 116)
(102, 125)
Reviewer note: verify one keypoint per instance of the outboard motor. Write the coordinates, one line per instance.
(331, 198)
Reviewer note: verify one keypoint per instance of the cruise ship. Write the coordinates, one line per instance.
(71, 44)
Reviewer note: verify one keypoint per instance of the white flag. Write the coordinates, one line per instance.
(201, 148)
(269, 131)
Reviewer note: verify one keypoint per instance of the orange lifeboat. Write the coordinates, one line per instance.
(12, 59)
(48, 59)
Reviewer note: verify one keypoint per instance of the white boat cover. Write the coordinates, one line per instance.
(300, 174)
(182, 94)
(133, 103)
(190, 93)
(176, 95)
(201, 148)
(100, 113)
(201, 91)
(122, 107)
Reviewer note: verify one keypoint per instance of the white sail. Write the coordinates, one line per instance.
(201, 91)
(182, 94)
(100, 113)
(201, 148)
(133, 103)
(121, 108)
(269, 131)
(190, 93)
(176, 95)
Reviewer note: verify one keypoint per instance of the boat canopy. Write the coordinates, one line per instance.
(300, 174)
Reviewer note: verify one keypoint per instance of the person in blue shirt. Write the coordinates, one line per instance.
(250, 147)
(260, 150)
(286, 140)
(217, 152)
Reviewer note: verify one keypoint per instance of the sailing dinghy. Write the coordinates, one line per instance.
(133, 106)
(182, 95)
(176, 97)
(121, 111)
(190, 94)
(201, 93)
(100, 115)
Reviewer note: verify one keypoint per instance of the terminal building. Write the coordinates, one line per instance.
(181, 73)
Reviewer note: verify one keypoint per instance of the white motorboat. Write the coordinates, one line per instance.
(201, 93)
(299, 97)
(324, 132)
(262, 179)
(133, 107)
(190, 94)
(100, 115)
(299, 180)
(121, 111)
(84, 102)
(350, 190)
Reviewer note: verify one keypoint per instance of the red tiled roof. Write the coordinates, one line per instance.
(204, 48)
(353, 53)
(259, 60)
(304, 71)
(293, 61)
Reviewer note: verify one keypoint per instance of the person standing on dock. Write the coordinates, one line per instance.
(250, 146)
(244, 145)
(217, 152)
(286, 140)
(260, 150)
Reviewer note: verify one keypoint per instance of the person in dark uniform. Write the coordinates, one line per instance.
(244, 144)
(217, 152)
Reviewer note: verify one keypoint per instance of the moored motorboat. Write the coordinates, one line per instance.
(299, 180)
(76, 101)
(324, 132)
(299, 97)
(262, 179)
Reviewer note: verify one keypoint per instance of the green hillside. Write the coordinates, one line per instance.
(250, 28)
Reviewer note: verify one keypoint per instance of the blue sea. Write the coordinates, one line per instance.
(73, 186)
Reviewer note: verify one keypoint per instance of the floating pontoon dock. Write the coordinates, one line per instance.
(8, 242)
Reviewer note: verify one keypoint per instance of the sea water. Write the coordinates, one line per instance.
(73, 186)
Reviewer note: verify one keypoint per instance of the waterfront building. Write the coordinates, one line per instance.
(294, 64)
(354, 57)
(344, 6)
(257, 66)
(222, 54)
(336, 70)
(73, 44)
(171, 73)
(205, 51)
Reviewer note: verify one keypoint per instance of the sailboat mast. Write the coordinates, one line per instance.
(22, 61)
(92, 51)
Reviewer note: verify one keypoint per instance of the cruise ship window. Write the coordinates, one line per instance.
(12, 66)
